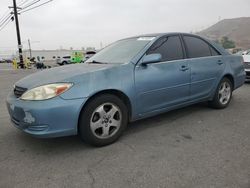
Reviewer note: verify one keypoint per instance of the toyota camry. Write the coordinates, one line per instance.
(131, 79)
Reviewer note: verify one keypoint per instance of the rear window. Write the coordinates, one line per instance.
(196, 47)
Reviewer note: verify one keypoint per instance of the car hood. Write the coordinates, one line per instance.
(60, 74)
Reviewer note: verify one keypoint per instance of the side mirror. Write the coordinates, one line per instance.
(152, 58)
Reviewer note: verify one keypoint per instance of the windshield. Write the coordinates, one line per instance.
(121, 51)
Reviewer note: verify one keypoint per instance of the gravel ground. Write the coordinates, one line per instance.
(192, 147)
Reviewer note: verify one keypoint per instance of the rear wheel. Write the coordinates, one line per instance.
(223, 94)
(103, 120)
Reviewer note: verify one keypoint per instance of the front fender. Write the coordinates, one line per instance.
(119, 78)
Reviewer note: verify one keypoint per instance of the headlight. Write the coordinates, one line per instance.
(46, 92)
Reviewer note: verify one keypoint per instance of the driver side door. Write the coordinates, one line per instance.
(164, 84)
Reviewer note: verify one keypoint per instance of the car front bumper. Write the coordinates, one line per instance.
(49, 118)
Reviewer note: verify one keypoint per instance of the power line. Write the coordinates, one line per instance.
(5, 20)
(5, 25)
(23, 11)
(5, 12)
(23, 2)
(4, 15)
(31, 3)
(20, 3)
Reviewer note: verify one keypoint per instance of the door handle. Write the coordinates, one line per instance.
(184, 68)
(219, 62)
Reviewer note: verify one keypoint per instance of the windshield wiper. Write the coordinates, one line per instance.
(97, 62)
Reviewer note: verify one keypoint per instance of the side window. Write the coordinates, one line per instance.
(214, 52)
(196, 47)
(169, 47)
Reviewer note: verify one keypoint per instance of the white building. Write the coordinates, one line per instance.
(48, 54)
(7, 54)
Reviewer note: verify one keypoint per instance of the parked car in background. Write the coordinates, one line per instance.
(75, 57)
(6, 61)
(239, 52)
(64, 60)
(246, 58)
(131, 79)
(246, 52)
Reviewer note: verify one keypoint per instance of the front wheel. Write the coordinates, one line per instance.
(223, 94)
(103, 120)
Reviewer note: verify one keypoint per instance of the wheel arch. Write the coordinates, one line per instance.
(231, 78)
(115, 92)
(228, 76)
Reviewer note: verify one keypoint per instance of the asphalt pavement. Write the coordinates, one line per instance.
(194, 147)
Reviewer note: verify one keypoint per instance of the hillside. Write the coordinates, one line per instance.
(236, 29)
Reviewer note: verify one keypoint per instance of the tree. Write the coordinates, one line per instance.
(226, 43)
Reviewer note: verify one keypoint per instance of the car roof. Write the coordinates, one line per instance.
(158, 35)
(163, 34)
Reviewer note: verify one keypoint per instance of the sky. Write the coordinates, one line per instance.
(96, 23)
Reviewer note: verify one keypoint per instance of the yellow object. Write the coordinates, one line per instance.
(27, 64)
(76, 57)
(14, 63)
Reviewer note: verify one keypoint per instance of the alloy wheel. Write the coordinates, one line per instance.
(105, 120)
(224, 93)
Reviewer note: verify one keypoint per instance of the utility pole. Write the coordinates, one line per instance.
(30, 48)
(20, 51)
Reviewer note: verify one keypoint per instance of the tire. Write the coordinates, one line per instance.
(222, 95)
(64, 63)
(103, 120)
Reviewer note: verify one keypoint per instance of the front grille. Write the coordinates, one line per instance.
(18, 91)
(248, 74)
(247, 65)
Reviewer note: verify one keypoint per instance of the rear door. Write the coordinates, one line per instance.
(164, 84)
(206, 65)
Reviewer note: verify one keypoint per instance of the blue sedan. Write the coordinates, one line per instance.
(131, 79)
